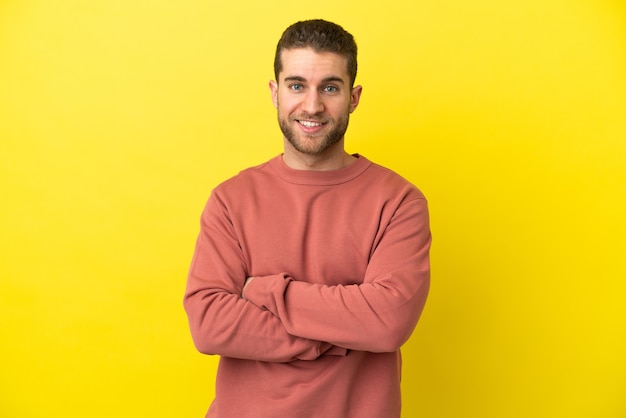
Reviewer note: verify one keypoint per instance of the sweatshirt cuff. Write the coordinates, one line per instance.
(263, 291)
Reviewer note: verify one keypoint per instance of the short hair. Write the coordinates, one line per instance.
(321, 36)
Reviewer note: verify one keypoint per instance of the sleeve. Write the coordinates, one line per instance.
(223, 323)
(377, 315)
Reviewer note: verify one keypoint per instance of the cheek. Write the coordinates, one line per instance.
(286, 106)
(340, 110)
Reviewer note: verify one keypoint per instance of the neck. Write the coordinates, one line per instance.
(332, 159)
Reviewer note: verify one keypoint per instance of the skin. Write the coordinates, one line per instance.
(314, 100)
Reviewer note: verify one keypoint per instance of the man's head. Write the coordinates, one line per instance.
(320, 36)
(314, 92)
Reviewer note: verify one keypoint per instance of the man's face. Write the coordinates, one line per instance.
(314, 99)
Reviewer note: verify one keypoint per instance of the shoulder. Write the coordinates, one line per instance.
(389, 180)
(247, 178)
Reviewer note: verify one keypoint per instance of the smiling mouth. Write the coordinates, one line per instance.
(309, 124)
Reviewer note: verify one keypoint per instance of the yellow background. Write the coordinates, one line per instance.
(118, 117)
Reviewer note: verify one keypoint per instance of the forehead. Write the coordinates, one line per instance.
(312, 65)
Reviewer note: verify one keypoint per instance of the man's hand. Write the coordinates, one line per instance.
(248, 280)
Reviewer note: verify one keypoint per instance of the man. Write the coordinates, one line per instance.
(311, 270)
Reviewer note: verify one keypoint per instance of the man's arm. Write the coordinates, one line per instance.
(378, 315)
(223, 323)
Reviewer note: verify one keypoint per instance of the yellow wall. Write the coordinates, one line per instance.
(118, 117)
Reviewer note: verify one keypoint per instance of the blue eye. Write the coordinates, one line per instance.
(296, 87)
(330, 89)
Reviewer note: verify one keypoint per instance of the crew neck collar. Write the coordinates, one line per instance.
(319, 178)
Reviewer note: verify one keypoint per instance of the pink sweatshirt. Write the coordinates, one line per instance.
(341, 266)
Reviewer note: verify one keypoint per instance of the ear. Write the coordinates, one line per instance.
(274, 90)
(355, 97)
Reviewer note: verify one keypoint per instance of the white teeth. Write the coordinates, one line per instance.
(308, 124)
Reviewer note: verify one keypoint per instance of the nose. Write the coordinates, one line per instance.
(313, 103)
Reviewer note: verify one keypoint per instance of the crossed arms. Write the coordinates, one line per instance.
(283, 318)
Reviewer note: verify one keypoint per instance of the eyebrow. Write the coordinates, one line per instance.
(325, 80)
